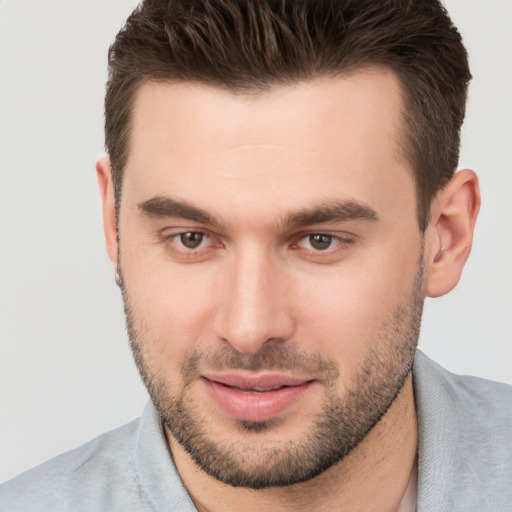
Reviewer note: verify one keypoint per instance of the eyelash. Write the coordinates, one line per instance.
(171, 240)
(320, 236)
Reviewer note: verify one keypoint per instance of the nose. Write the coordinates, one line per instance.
(254, 306)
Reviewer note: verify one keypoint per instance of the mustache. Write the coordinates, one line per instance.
(270, 357)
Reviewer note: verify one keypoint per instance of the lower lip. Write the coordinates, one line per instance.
(255, 406)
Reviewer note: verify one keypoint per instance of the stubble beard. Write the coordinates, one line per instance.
(343, 422)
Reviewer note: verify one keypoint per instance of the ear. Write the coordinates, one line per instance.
(450, 232)
(104, 175)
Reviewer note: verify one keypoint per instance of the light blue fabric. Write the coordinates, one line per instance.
(465, 441)
(465, 458)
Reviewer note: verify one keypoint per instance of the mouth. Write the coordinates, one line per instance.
(255, 398)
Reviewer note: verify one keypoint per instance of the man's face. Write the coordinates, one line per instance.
(271, 265)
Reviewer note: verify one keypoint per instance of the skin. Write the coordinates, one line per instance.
(250, 162)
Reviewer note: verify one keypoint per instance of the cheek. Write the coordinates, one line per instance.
(346, 312)
(171, 309)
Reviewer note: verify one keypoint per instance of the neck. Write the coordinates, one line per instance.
(374, 475)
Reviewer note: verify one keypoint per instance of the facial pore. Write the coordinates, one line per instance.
(347, 415)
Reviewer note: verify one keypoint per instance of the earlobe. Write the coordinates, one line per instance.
(450, 232)
(104, 176)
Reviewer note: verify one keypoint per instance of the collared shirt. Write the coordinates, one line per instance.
(464, 458)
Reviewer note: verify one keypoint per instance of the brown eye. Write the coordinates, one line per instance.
(192, 239)
(320, 242)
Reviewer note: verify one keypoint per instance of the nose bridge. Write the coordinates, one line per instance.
(254, 309)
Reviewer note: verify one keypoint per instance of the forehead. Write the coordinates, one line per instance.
(337, 136)
(349, 101)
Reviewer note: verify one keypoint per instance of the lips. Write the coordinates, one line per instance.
(255, 398)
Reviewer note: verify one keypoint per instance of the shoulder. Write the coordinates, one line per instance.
(481, 400)
(82, 472)
(465, 440)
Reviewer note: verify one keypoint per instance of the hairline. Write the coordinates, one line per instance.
(404, 141)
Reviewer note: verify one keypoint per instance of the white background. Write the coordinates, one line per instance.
(66, 373)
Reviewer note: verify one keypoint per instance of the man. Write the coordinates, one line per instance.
(278, 200)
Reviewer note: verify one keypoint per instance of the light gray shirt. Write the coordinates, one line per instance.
(464, 459)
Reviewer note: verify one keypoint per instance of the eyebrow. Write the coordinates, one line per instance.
(161, 207)
(342, 211)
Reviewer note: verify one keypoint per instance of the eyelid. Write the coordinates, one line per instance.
(204, 241)
(167, 238)
(333, 241)
(169, 232)
(343, 241)
(340, 235)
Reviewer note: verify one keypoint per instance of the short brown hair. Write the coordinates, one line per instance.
(250, 45)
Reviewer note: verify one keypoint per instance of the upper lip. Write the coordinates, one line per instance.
(264, 382)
